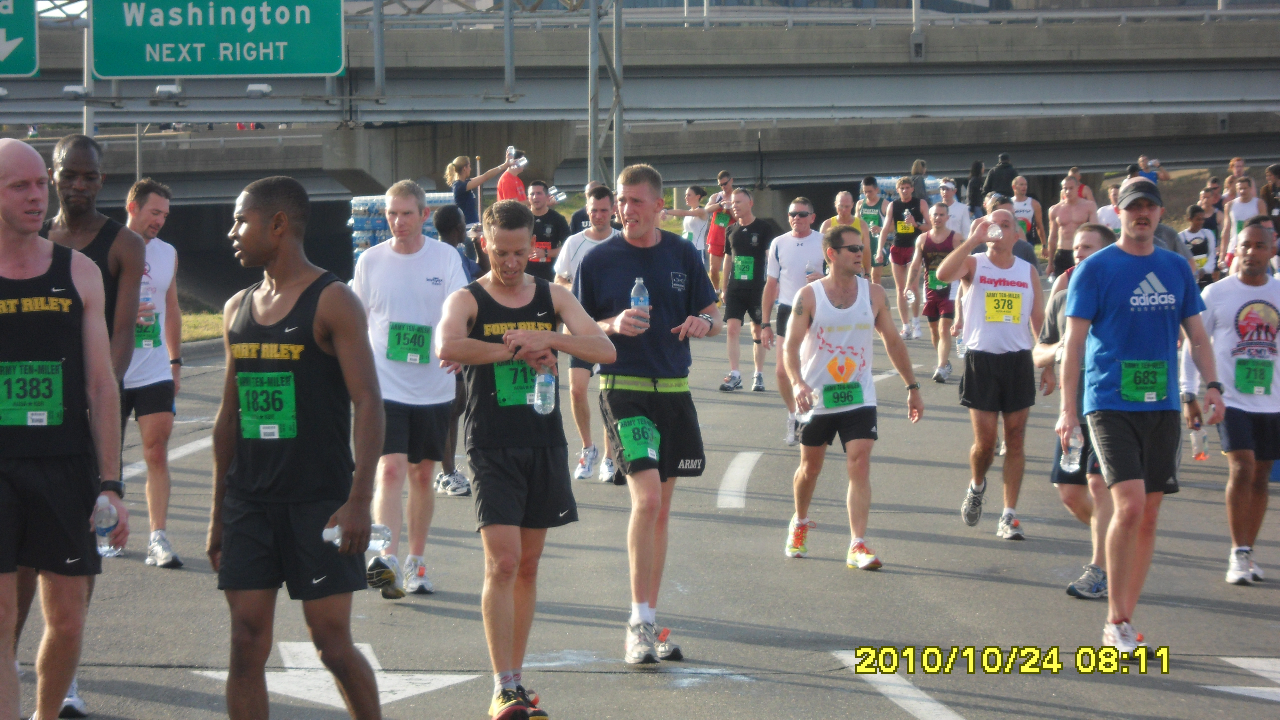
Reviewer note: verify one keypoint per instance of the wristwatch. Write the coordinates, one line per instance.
(1215, 385)
(114, 486)
(766, 325)
(1188, 398)
(710, 321)
(913, 386)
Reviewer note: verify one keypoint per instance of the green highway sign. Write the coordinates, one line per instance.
(216, 38)
(19, 50)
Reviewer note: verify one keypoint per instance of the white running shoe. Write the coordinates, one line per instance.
(906, 332)
(383, 572)
(1239, 570)
(640, 648)
(453, 484)
(1122, 637)
(793, 430)
(160, 553)
(1001, 450)
(73, 706)
(416, 581)
(607, 470)
(587, 460)
(915, 328)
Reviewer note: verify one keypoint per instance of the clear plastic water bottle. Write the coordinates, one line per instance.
(105, 519)
(544, 394)
(511, 151)
(1071, 458)
(994, 232)
(379, 537)
(809, 269)
(961, 349)
(557, 194)
(1198, 440)
(520, 163)
(640, 295)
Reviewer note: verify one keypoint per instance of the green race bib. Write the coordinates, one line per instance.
(933, 283)
(409, 343)
(640, 438)
(514, 380)
(268, 409)
(1144, 380)
(841, 394)
(147, 336)
(1253, 376)
(721, 219)
(744, 268)
(31, 393)
(871, 218)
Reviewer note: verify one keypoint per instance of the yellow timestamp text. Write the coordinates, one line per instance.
(1025, 660)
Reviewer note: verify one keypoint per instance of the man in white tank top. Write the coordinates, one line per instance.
(1245, 205)
(1003, 309)
(154, 374)
(828, 357)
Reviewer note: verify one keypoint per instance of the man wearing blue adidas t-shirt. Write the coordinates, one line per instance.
(1125, 305)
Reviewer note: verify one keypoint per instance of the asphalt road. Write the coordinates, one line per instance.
(762, 633)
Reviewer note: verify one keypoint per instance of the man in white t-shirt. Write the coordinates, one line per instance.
(1245, 205)
(403, 284)
(958, 218)
(599, 211)
(1109, 214)
(1242, 320)
(1202, 244)
(794, 260)
(154, 374)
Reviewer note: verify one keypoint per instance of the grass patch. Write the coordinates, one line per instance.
(201, 326)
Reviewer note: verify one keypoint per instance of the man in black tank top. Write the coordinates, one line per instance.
(119, 252)
(298, 358)
(908, 217)
(59, 410)
(502, 329)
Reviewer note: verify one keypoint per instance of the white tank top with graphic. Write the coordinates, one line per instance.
(835, 355)
(1025, 213)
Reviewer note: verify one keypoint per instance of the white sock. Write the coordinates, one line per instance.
(855, 541)
(515, 677)
(801, 521)
(735, 373)
(650, 614)
(638, 613)
(410, 558)
(503, 681)
(980, 489)
(791, 416)
(1246, 548)
(157, 535)
(1009, 511)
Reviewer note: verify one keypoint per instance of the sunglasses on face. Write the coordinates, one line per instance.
(726, 182)
(799, 214)
(850, 248)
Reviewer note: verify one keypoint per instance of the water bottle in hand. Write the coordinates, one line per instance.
(544, 394)
(1071, 458)
(1198, 440)
(994, 232)
(379, 537)
(960, 347)
(640, 295)
(105, 519)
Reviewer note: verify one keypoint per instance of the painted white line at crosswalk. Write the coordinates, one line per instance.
(889, 373)
(900, 690)
(733, 486)
(140, 468)
(1268, 668)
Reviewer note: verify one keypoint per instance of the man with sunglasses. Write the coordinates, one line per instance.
(795, 260)
(828, 359)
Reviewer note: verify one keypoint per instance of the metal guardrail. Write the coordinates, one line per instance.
(181, 141)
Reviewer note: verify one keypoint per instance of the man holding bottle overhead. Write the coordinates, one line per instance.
(502, 329)
(648, 291)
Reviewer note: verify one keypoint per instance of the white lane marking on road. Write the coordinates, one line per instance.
(900, 690)
(306, 678)
(733, 486)
(195, 446)
(891, 373)
(1268, 668)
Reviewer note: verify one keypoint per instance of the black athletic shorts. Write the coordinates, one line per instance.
(1088, 462)
(589, 367)
(998, 382)
(672, 414)
(265, 544)
(855, 424)
(740, 302)
(1138, 446)
(147, 400)
(45, 508)
(1259, 432)
(784, 317)
(1062, 259)
(419, 431)
(526, 487)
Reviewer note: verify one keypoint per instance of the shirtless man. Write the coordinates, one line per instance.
(1064, 218)
(1085, 192)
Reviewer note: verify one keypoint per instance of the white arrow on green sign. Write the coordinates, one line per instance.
(217, 38)
(19, 50)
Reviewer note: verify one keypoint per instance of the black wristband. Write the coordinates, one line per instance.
(913, 386)
(766, 325)
(1215, 385)
(176, 361)
(114, 486)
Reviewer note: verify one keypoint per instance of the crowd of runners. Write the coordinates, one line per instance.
(339, 400)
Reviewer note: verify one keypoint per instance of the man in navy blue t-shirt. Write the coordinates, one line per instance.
(644, 394)
(1125, 307)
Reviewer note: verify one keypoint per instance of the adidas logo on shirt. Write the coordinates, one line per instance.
(1151, 292)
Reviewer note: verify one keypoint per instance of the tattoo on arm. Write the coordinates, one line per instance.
(799, 310)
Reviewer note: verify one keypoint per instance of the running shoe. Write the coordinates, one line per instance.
(508, 705)
(1009, 528)
(453, 484)
(798, 537)
(861, 557)
(416, 581)
(915, 328)
(1239, 567)
(1253, 568)
(607, 470)
(73, 706)
(793, 430)
(937, 376)
(906, 332)
(384, 573)
(731, 382)
(639, 648)
(946, 371)
(667, 650)
(971, 508)
(160, 553)
(1001, 450)
(1122, 637)
(1091, 585)
(757, 383)
(587, 463)
(530, 699)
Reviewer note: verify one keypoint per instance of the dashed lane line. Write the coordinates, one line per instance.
(900, 690)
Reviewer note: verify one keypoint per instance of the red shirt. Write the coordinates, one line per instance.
(511, 187)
